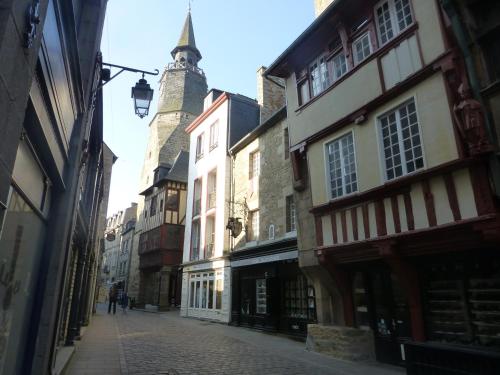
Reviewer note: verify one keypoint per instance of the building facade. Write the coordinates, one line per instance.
(398, 218)
(51, 175)
(117, 245)
(182, 88)
(162, 238)
(268, 289)
(206, 278)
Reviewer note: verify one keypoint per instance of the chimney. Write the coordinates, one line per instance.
(270, 94)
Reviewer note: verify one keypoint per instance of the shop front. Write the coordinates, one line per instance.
(206, 290)
(437, 314)
(269, 292)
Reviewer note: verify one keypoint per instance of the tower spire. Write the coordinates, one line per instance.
(186, 40)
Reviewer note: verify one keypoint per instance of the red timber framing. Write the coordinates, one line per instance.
(481, 231)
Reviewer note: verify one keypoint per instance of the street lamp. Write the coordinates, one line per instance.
(142, 93)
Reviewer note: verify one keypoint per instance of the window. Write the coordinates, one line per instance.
(290, 214)
(210, 237)
(304, 95)
(214, 134)
(393, 16)
(197, 197)
(361, 48)
(341, 166)
(254, 171)
(195, 240)
(260, 296)
(172, 200)
(254, 225)
(201, 290)
(319, 75)
(339, 65)
(296, 297)
(401, 141)
(199, 146)
(152, 208)
(286, 143)
(212, 190)
(490, 46)
(218, 293)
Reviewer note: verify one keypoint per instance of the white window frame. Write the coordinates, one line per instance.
(323, 75)
(254, 234)
(303, 84)
(334, 63)
(382, 155)
(199, 145)
(214, 135)
(359, 40)
(254, 167)
(195, 294)
(396, 30)
(342, 168)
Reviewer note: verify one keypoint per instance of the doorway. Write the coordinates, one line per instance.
(390, 316)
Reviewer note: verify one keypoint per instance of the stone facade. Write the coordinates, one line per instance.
(270, 94)
(268, 195)
(341, 342)
(116, 225)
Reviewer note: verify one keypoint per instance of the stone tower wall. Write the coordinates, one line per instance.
(182, 90)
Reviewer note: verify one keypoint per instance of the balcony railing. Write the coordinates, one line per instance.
(211, 199)
(183, 65)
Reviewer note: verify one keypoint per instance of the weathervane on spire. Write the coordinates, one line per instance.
(189, 6)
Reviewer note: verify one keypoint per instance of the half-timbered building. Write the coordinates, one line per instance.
(162, 237)
(398, 216)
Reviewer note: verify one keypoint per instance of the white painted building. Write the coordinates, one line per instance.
(206, 284)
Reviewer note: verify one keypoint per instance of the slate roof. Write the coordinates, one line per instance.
(186, 40)
(179, 171)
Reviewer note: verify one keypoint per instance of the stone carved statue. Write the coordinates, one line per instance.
(469, 117)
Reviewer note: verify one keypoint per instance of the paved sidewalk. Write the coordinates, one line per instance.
(145, 343)
(99, 351)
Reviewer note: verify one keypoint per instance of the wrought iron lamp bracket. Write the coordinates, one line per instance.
(128, 69)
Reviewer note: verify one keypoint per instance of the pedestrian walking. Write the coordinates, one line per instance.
(124, 302)
(113, 294)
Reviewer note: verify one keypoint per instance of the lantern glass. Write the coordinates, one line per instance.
(142, 95)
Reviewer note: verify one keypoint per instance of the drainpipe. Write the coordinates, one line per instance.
(463, 41)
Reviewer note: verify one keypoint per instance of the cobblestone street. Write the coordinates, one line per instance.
(147, 343)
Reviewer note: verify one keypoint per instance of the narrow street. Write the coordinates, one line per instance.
(148, 343)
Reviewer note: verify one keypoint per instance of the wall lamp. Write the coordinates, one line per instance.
(142, 93)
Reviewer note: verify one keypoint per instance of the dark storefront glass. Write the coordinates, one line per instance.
(462, 302)
(21, 245)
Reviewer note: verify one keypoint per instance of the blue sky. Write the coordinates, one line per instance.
(235, 38)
